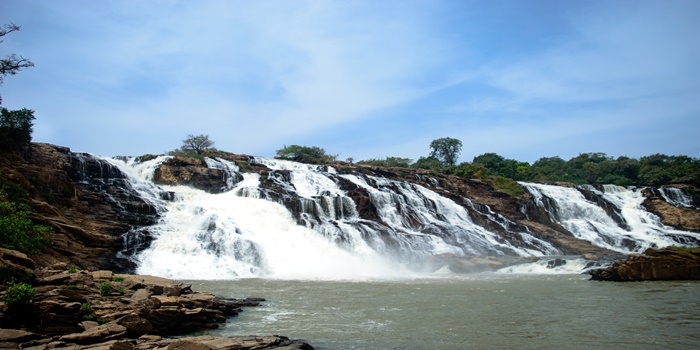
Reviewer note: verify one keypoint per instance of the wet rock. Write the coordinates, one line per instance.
(655, 264)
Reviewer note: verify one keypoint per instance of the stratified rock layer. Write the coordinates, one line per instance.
(89, 309)
(655, 264)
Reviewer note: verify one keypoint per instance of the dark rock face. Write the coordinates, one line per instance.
(655, 264)
(86, 200)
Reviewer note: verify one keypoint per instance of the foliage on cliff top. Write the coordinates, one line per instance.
(586, 168)
(305, 154)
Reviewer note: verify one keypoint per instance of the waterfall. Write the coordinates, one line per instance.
(588, 221)
(301, 221)
(676, 197)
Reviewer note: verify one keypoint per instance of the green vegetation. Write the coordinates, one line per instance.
(19, 294)
(105, 289)
(304, 154)
(88, 313)
(586, 168)
(19, 232)
(16, 127)
(446, 150)
(389, 162)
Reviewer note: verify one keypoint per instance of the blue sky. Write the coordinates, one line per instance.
(362, 79)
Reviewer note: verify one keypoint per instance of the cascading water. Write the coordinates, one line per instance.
(588, 221)
(297, 221)
(676, 197)
(236, 234)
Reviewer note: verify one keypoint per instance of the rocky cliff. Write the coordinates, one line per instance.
(85, 200)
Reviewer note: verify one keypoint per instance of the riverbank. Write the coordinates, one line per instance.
(80, 309)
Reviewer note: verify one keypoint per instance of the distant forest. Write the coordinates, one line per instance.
(586, 168)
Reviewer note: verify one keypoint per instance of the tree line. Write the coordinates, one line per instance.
(586, 168)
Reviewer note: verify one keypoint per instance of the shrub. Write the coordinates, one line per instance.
(507, 185)
(304, 154)
(19, 232)
(105, 288)
(19, 294)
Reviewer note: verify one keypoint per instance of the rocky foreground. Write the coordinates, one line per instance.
(80, 309)
(654, 264)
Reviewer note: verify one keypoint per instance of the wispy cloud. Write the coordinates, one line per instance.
(367, 78)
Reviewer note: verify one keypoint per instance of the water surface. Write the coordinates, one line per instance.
(481, 311)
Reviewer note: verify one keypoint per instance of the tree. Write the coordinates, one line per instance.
(16, 128)
(446, 150)
(196, 144)
(12, 63)
(305, 154)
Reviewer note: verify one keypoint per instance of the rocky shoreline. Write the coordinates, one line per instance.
(80, 309)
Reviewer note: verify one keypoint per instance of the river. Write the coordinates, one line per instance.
(475, 311)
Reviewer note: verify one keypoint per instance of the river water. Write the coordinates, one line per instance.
(476, 311)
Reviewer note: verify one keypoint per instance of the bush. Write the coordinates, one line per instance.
(105, 288)
(19, 294)
(304, 154)
(507, 185)
(19, 231)
(389, 162)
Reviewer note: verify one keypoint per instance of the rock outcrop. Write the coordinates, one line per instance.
(100, 309)
(655, 264)
(680, 217)
(86, 201)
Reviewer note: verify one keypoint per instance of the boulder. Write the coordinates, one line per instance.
(655, 264)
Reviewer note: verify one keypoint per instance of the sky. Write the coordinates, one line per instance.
(361, 79)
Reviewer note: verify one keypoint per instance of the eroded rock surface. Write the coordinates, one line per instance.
(84, 309)
(655, 264)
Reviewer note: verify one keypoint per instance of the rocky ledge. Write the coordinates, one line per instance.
(671, 263)
(81, 309)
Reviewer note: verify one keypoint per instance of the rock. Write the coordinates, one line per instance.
(102, 275)
(16, 335)
(192, 172)
(16, 257)
(140, 296)
(136, 326)
(655, 264)
(208, 342)
(107, 331)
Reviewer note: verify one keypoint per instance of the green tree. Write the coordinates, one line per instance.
(196, 144)
(500, 166)
(304, 154)
(428, 163)
(446, 150)
(16, 128)
(547, 169)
